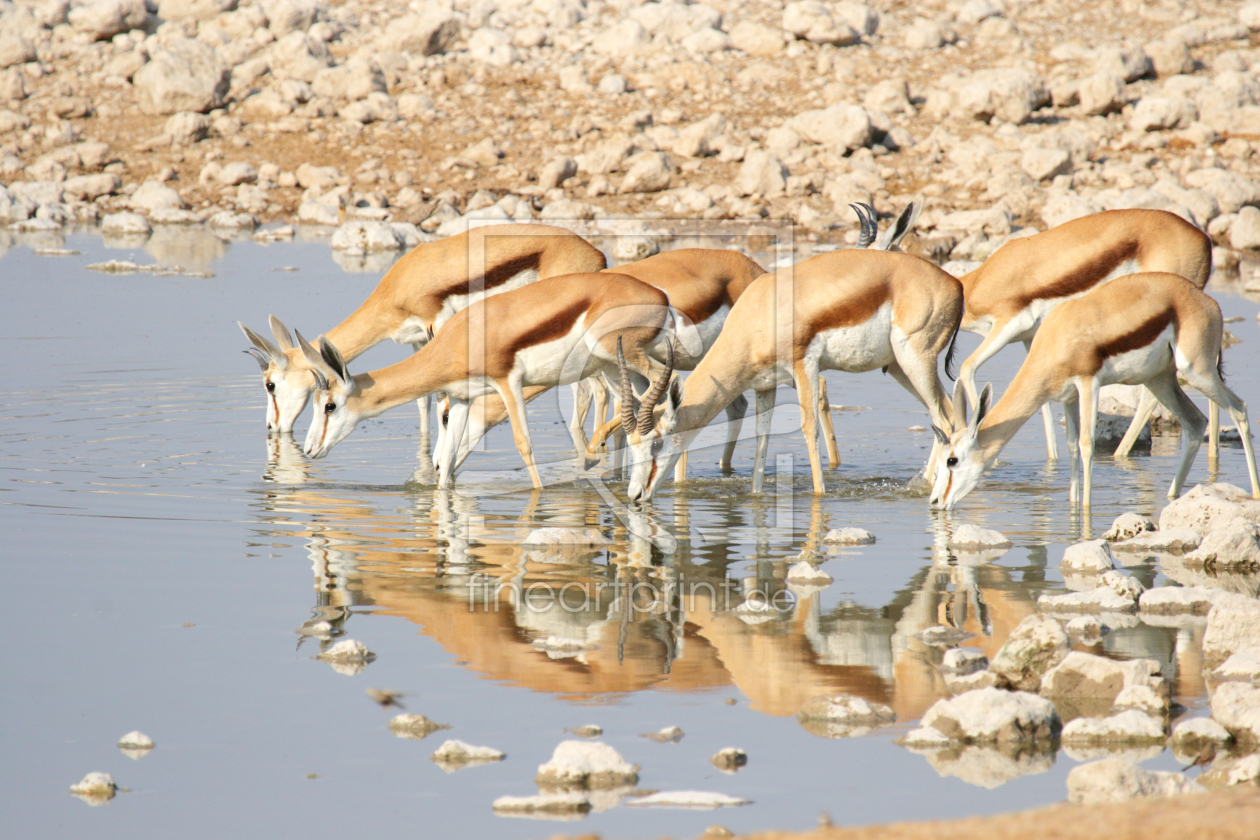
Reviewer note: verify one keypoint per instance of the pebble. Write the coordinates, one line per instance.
(347, 650)
(668, 735)
(849, 536)
(95, 788)
(547, 803)
(1128, 525)
(455, 755)
(806, 572)
(968, 536)
(135, 745)
(729, 760)
(1125, 728)
(844, 716)
(1092, 556)
(414, 727)
(589, 730)
(586, 764)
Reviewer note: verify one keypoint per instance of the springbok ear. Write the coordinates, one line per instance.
(959, 407)
(904, 224)
(332, 357)
(281, 333)
(308, 352)
(982, 408)
(258, 357)
(265, 347)
(940, 436)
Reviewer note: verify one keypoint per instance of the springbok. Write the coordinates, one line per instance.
(1012, 292)
(1142, 329)
(416, 296)
(549, 333)
(851, 310)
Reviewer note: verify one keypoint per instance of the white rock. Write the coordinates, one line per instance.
(925, 737)
(299, 56)
(1035, 646)
(458, 754)
(238, 172)
(547, 803)
(1234, 544)
(1044, 164)
(135, 740)
(492, 46)
(1011, 94)
(849, 536)
(153, 195)
(757, 38)
(1159, 113)
(556, 171)
(962, 661)
(106, 18)
(1244, 233)
(1092, 556)
(924, 34)
(1086, 628)
(1236, 706)
(194, 10)
(623, 39)
(969, 536)
(1231, 191)
(90, 187)
(1086, 676)
(648, 172)
(863, 19)
(704, 41)
(1166, 540)
(1228, 771)
(1102, 93)
(991, 715)
(588, 764)
(187, 127)
(843, 716)
(1241, 665)
(564, 537)
(347, 650)
(366, 237)
(843, 127)
(285, 16)
(1176, 600)
(1196, 733)
(1114, 780)
(974, 11)
(124, 224)
(15, 49)
(1103, 598)
(227, 220)
(687, 799)
(633, 247)
(729, 760)
(95, 788)
(413, 727)
(430, 33)
(1249, 15)
(1128, 525)
(1143, 698)
(762, 174)
(812, 20)
(186, 76)
(668, 735)
(806, 572)
(1125, 728)
(613, 84)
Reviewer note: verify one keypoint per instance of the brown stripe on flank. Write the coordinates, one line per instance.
(557, 326)
(1141, 336)
(850, 310)
(1087, 276)
(496, 275)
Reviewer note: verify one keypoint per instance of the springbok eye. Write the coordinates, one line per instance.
(329, 408)
(657, 445)
(951, 461)
(271, 387)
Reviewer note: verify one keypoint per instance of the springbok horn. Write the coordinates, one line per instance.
(266, 347)
(321, 381)
(654, 394)
(866, 235)
(959, 405)
(258, 357)
(627, 392)
(281, 332)
(319, 367)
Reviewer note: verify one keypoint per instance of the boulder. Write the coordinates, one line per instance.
(237, 172)
(991, 715)
(152, 195)
(1044, 164)
(123, 224)
(431, 33)
(104, 19)
(90, 187)
(15, 49)
(285, 16)
(757, 38)
(375, 107)
(1116, 780)
(1144, 699)
(845, 127)
(1092, 556)
(586, 764)
(1244, 233)
(187, 76)
(1036, 645)
(453, 755)
(1233, 624)
(849, 536)
(1242, 665)
(319, 213)
(1128, 525)
(623, 39)
(1232, 546)
(1191, 736)
(843, 716)
(1169, 540)
(1084, 676)
(969, 537)
(1177, 600)
(1010, 94)
(1160, 113)
(648, 172)
(366, 237)
(1169, 57)
(1131, 727)
(320, 178)
(1236, 706)
(812, 20)
(1231, 191)
(1102, 93)
(924, 34)
(299, 56)
(761, 173)
(194, 10)
(961, 661)
(1210, 507)
(863, 19)
(556, 171)
(187, 127)
(350, 81)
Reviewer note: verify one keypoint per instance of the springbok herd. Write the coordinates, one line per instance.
(502, 313)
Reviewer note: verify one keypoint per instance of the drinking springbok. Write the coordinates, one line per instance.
(552, 332)
(416, 296)
(1142, 329)
(851, 310)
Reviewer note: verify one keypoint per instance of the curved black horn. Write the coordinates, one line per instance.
(654, 393)
(258, 357)
(867, 232)
(627, 392)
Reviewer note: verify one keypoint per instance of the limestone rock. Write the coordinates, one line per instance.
(347, 650)
(413, 727)
(961, 661)
(757, 38)
(1228, 771)
(15, 49)
(351, 81)
(1193, 735)
(104, 19)
(1176, 600)
(586, 764)
(1084, 676)
(1010, 94)
(556, 171)
(991, 715)
(1125, 728)
(1128, 525)
(366, 237)
(1236, 706)
(812, 20)
(454, 755)
(1091, 556)
(187, 76)
(1045, 164)
(649, 172)
(562, 804)
(1116, 780)
(1036, 645)
(1160, 113)
(90, 187)
(125, 224)
(1102, 93)
(686, 799)
(1244, 233)
(843, 716)
(1165, 540)
(845, 127)
(972, 537)
(95, 788)
(761, 173)
(807, 573)
(1233, 545)
(729, 760)
(849, 536)
(194, 10)
(1242, 665)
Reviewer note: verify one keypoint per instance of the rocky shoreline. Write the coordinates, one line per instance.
(1008, 117)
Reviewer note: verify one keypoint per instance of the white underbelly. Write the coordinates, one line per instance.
(561, 361)
(694, 340)
(413, 330)
(1137, 366)
(856, 349)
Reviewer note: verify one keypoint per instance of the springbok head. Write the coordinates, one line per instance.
(337, 409)
(868, 222)
(651, 441)
(962, 461)
(286, 376)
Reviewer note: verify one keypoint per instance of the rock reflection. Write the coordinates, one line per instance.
(185, 245)
(990, 766)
